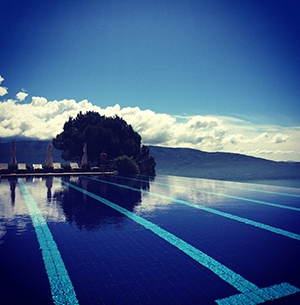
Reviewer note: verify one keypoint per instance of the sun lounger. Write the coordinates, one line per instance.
(22, 167)
(3, 168)
(96, 168)
(57, 167)
(74, 166)
(37, 167)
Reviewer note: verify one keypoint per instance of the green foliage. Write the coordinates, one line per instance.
(110, 134)
(126, 165)
(146, 163)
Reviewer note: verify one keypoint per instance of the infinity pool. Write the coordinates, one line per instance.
(140, 240)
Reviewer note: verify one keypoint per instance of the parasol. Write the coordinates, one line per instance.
(49, 160)
(13, 159)
(84, 160)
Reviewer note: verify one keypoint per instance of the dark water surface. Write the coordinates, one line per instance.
(141, 240)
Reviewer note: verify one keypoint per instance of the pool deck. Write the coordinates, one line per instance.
(58, 173)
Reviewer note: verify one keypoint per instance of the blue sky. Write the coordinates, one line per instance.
(216, 58)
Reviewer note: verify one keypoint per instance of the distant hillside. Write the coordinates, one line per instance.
(176, 161)
(222, 166)
(28, 152)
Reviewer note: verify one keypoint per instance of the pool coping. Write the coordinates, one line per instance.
(22, 174)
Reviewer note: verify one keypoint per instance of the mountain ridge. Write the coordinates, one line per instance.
(220, 165)
(186, 162)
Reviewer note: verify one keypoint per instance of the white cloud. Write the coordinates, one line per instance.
(200, 122)
(259, 138)
(43, 119)
(234, 139)
(273, 152)
(279, 138)
(40, 119)
(3, 90)
(21, 96)
(153, 128)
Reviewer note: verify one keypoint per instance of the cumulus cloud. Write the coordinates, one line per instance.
(235, 139)
(21, 96)
(200, 122)
(40, 119)
(261, 137)
(153, 128)
(43, 119)
(3, 90)
(279, 138)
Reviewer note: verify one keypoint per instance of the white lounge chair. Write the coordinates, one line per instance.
(74, 166)
(22, 167)
(37, 167)
(3, 168)
(57, 167)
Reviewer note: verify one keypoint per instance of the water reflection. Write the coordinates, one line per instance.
(49, 184)
(13, 183)
(90, 214)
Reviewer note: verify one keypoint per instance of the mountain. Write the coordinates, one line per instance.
(28, 151)
(176, 161)
(221, 166)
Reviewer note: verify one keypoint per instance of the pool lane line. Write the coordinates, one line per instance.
(62, 289)
(250, 293)
(219, 194)
(196, 206)
(230, 186)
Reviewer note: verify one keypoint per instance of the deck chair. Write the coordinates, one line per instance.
(74, 166)
(22, 167)
(57, 166)
(3, 168)
(37, 167)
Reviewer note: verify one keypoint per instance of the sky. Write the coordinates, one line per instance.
(211, 75)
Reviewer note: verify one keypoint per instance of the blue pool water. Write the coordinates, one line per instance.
(140, 240)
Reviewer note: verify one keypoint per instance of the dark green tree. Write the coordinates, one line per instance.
(126, 165)
(111, 134)
(145, 162)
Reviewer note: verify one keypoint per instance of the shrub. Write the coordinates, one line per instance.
(126, 165)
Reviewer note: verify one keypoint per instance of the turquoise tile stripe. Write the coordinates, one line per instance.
(251, 294)
(223, 214)
(228, 196)
(62, 289)
(261, 295)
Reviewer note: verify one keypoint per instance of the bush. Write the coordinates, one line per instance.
(126, 165)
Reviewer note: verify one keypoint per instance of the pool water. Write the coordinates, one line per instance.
(142, 240)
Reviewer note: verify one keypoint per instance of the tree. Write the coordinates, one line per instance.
(145, 162)
(111, 134)
(126, 165)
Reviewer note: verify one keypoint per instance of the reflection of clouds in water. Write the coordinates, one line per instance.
(13, 184)
(2, 232)
(12, 213)
(39, 189)
(19, 222)
(193, 191)
(49, 183)
(150, 203)
(7, 207)
(42, 189)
